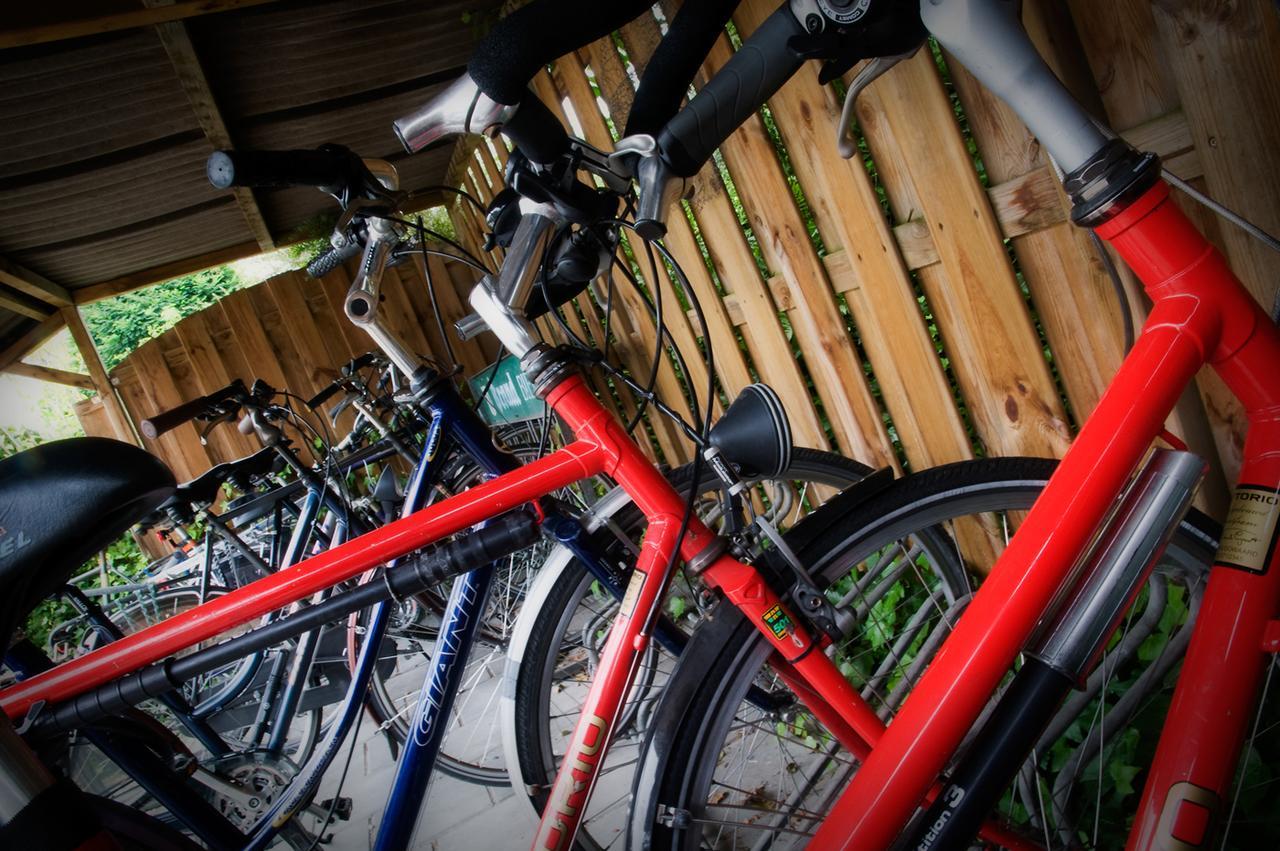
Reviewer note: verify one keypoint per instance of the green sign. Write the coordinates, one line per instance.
(510, 398)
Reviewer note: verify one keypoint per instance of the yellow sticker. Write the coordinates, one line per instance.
(1249, 535)
(633, 594)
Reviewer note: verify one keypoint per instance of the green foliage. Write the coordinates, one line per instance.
(122, 324)
(125, 562)
(15, 439)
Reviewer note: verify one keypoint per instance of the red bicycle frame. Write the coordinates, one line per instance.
(1201, 314)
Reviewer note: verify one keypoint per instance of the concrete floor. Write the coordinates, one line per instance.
(458, 815)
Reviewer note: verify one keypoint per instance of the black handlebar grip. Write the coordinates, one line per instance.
(153, 427)
(324, 395)
(674, 63)
(357, 364)
(331, 258)
(536, 131)
(324, 168)
(740, 88)
(506, 59)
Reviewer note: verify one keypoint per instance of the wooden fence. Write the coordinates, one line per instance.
(925, 303)
(942, 305)
(290, 332)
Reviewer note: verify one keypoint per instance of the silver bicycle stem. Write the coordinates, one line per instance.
(501, 305)
(364, 298)
(988, 39)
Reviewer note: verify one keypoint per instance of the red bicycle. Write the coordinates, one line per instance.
(1079, 538)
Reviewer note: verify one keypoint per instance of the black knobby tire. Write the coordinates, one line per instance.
(535, 679)
(701, 736)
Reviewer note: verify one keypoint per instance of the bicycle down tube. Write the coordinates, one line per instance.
(1201, 314)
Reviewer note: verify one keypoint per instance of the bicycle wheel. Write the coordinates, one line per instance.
(565, 622)
(242, 783)
(727, 774)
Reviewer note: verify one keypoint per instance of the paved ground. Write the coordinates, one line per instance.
(458, 815)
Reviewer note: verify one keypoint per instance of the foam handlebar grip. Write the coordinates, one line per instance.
(330, 259)
(153, 427)
(536, 131)
(745, 82)
(323, 168)
(506, 59)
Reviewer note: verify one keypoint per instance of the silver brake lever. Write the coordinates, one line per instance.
(870, 72)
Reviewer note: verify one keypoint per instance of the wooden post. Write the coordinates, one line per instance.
(116, 413)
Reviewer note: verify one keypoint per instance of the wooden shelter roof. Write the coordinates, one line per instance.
(108, 111)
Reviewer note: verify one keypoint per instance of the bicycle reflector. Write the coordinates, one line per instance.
(754, 434)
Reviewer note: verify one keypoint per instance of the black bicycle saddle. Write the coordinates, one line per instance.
(62, 502)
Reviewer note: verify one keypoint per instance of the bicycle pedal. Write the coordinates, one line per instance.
(341, 810)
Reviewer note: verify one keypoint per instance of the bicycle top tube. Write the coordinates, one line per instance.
(603, 447)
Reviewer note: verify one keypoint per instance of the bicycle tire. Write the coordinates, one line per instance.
(703, 729)
(135, 830)
(540, 640)
(95, 769)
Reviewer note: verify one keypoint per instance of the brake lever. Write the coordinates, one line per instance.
(872, 71)
(225, 417)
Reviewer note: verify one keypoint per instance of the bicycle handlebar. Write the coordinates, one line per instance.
(745, 82)
(354, 366)
(329, 168)
(506, 59)
(153, 427)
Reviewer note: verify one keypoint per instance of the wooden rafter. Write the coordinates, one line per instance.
(29, 283)
(24, 306)
(182, 53)
(49, 373)
(119, 418)
(23, 346)
(119, 21)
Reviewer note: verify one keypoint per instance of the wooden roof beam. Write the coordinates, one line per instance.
(23, 306)
(24, 345)
(49, 373)
(119, 21)
(29, 283)
(164, 272)
(182, 54)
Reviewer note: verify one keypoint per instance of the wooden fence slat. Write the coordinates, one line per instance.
(733, 261)
(830, 357)
(307, 351)
(249, 333)
(881, 294)
(732, 371)
(181, 447)
(226, 442)
(639, 326)
(995, 353)
(335, 287)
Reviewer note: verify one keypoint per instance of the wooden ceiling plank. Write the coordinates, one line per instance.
(164, 272)
(51, 374)
(24, 345)
(29, 283)
(120, 21)
(186, 64)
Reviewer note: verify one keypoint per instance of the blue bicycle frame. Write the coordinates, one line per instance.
(450, 419)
